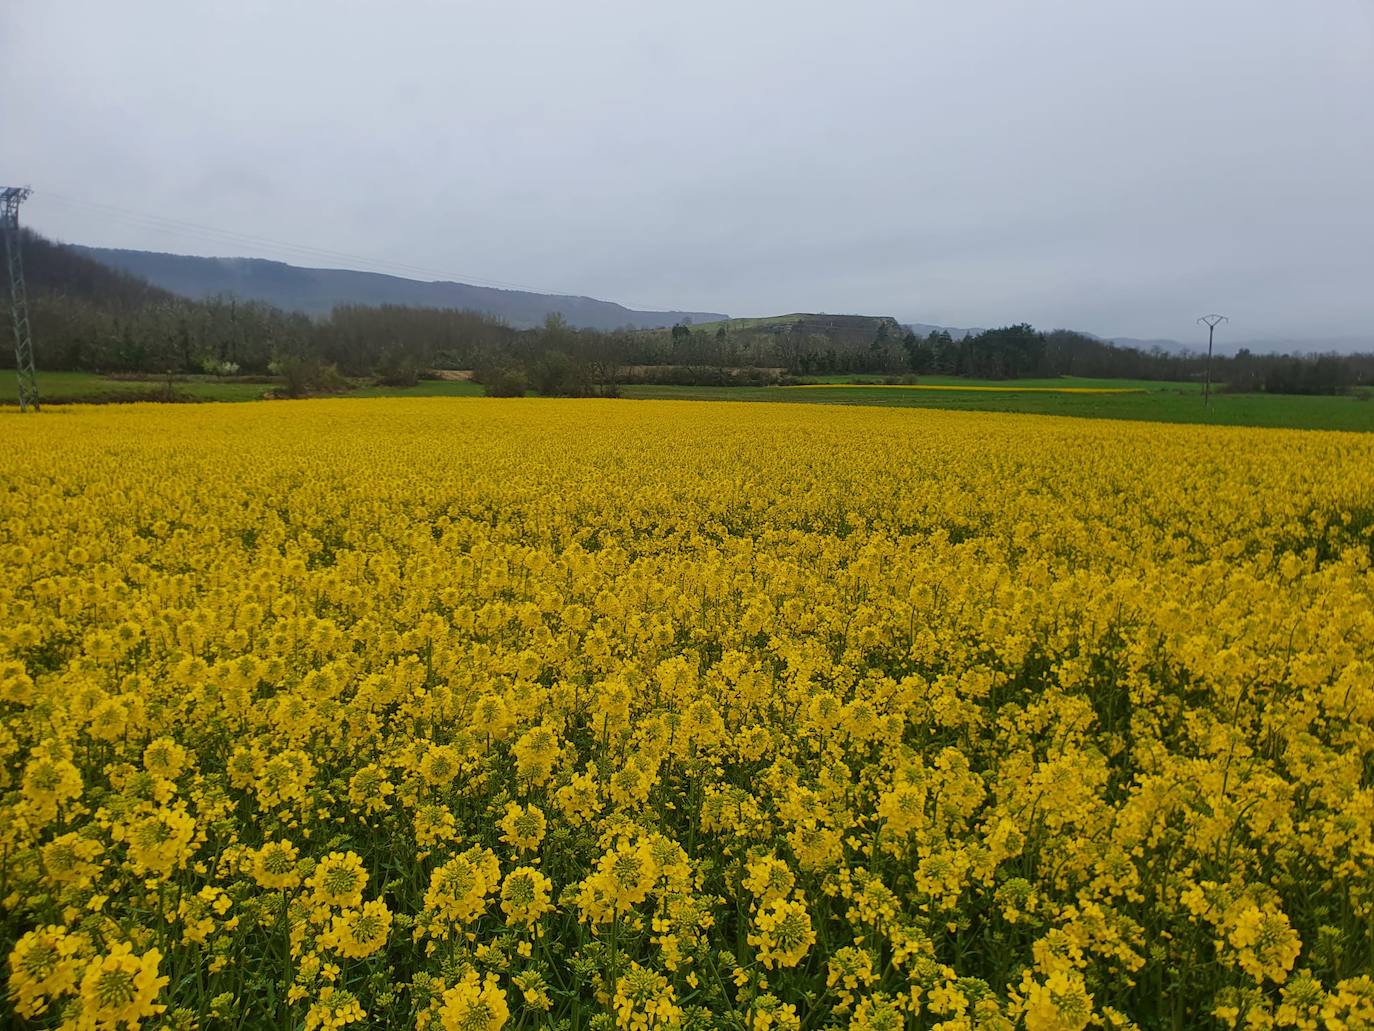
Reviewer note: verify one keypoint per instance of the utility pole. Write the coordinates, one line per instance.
(10, 199)
(1210, 321)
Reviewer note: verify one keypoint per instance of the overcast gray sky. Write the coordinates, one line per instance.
(1118, 166)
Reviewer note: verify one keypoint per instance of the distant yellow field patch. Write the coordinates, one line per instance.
(969, 387)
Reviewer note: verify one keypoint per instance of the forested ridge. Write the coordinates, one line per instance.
(88, 316)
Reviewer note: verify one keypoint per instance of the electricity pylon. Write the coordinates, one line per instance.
(10, 199)
(1210, 321)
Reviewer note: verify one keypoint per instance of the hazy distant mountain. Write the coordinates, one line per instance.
(317, 290)
(55, 268)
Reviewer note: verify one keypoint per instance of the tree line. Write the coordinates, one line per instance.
(1019, 351)
(87, 316)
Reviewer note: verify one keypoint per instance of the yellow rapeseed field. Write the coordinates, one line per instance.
(471, 714)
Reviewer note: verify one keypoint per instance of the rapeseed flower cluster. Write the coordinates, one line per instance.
(490, 714)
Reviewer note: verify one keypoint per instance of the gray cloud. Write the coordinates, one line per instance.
(1113, 166)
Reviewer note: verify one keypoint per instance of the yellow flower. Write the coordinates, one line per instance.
(338, 880)
(369, 789)
(769, 878)
(577, 800)
(357, 933)
(198, 912)
(492, 717)
(160, 841)
(16, 686)
(523, 827)
(782, 933)
(459, 889)
(816, 847)
(535, 754)
(283, 778)
(525, 896)
(69, 859)
(120, 989)
(1059, 1003)
(1303, 999)
(164, 758)
(48, 783)
(1350, 1005)
(623, 878)
(769, 1013)
(334, 1008)
(43, 967)
(439, 765)
(1266, 942)
(877, 1013)
(644, 999)
(902, 808)
(534, 989)
(474, 1004)
(849, 970)
(273, 866)
(434, 823)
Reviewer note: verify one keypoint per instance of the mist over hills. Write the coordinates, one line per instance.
(316, 291)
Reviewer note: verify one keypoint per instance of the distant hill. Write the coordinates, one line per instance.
(59, 270)
(317, 291)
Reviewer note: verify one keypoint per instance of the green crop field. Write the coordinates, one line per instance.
(1088, 398)
(1072, 384)
(1148, 401)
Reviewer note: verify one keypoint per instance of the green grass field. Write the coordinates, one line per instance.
(1149, 401)
(1142, 399)
(90, 387)
(57, 388)
(1054, 382)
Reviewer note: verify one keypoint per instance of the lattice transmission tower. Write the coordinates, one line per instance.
(10, 199)
(1211, 322)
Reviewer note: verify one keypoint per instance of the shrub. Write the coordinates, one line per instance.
(502, 381)
(303, 375)
(397, 369)
(214, 367)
